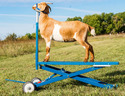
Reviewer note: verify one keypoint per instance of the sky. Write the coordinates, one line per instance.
(17, 16)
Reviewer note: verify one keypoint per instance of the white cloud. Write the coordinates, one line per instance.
(79, 10)
(93, 0)
(18, 28)
(57, 17)
(17, 15)
(23, 15)
(15, 1)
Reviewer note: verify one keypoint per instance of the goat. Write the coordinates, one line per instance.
(67, 31)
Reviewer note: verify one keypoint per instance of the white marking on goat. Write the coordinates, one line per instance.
(51, 37)
(48, 44)
(42, 36)
(56, 33)
(48, 54)
(84, 47)
(75, 35)
(93, 32)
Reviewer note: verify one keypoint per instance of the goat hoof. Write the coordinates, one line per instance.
(91, 60)
(85, 60)
(45, 60)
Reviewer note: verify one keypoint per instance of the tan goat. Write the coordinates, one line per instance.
(67, 31)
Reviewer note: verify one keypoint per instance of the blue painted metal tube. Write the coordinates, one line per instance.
(77, 63)
(73, 75)
(58, 78)
(55, 79)
(59, 71)
(50, 77)
(14, 81)
(92, 82)
(76, 76)
(37, 28)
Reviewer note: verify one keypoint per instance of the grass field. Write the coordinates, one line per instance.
(22, 67)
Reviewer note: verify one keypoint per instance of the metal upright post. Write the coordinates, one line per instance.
(37, 27)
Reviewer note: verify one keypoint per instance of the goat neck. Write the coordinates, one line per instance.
(43, 17)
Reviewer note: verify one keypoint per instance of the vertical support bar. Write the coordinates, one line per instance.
(37, 27)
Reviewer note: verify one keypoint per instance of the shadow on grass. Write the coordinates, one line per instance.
(115, 77)
(63, 85)
(73, 83)
(116, 73)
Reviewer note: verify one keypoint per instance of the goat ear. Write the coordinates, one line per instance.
(49, 8)
(43, 7)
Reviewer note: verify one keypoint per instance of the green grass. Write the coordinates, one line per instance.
(107, 48)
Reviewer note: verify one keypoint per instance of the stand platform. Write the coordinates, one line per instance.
(76, 63)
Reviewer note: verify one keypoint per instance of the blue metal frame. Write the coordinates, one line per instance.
(14, 81)
(77, 63)
(67, 74)
(37, 28)
(74, 75)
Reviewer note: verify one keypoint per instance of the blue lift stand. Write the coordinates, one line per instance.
(76, 75)
(29, 87)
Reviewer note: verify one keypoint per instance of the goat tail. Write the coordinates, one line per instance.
(91, 30)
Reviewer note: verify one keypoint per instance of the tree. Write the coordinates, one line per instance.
(74, 19)
(109, 29)
(33, 35)
(29, 36)
(94, 21)
(121, 15)
(118, 23)
(11, 37)
(105, 23)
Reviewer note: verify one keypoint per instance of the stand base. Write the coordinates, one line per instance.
(36, 82)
